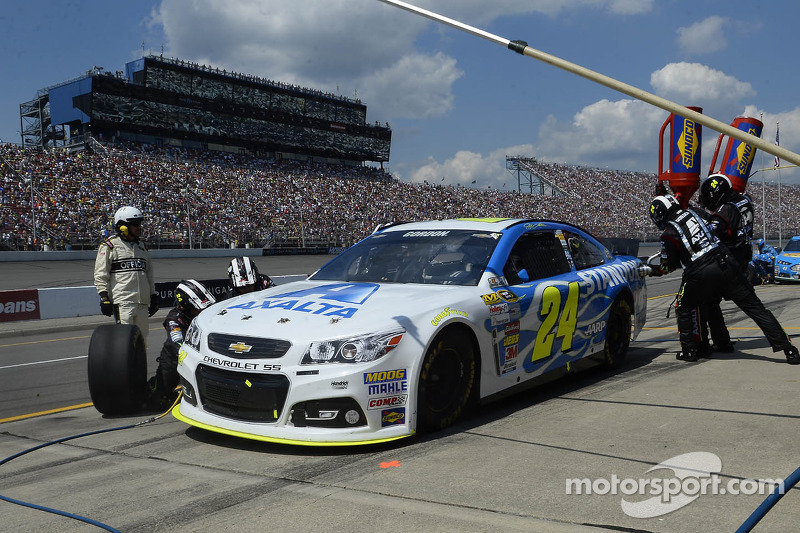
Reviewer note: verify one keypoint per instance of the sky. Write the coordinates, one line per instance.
(457, 104)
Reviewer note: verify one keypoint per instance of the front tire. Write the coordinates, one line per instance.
(618, 334)
(117, 369)
(447, 381)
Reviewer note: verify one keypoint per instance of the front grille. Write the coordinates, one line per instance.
(242, 396)
(248, 347)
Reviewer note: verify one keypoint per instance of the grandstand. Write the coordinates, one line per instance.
(170, 102)
(220, 159)
(213, 199)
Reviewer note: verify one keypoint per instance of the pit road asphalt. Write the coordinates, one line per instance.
(506, 468)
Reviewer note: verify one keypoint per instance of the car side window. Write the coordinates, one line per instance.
(534, 256)
(585, 254)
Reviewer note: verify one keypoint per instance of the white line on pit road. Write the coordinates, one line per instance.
(45, 362)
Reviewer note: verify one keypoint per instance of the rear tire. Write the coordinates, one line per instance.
(446, 382)
(117, 369)
(618, 334)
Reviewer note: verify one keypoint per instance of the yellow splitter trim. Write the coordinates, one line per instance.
(176, 412)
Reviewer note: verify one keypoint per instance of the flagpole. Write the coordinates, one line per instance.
(763, 198)
(521, 47)
(778, 166)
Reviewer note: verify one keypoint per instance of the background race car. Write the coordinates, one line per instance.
(787, 263)
(408, 329)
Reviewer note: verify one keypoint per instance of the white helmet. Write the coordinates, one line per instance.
(127, 215)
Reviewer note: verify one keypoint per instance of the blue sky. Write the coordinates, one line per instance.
(457, 104)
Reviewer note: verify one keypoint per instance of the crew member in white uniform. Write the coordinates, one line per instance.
(123, 272)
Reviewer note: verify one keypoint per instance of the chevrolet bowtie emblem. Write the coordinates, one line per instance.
(240, 347)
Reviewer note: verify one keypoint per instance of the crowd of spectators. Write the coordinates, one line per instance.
(215, 199)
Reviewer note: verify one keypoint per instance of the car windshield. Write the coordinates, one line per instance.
(442, 257)
(792, 246)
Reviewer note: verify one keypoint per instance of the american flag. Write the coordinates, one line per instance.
(777, 142)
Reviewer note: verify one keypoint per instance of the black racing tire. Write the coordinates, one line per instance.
(447, 381)
(618, 334)
(117, 369)
(752, 277)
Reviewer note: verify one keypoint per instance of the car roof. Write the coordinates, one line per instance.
(479, 224)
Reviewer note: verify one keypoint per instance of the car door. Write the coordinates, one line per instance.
(544, 287)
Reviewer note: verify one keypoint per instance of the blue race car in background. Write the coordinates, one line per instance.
(787, 263)
(762, 265)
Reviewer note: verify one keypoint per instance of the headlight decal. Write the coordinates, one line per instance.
(362, 349)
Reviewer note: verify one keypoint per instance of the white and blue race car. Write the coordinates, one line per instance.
(409, 328)
(787, 262)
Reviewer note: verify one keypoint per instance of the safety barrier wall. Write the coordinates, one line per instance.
(69, 302)
(172, 253)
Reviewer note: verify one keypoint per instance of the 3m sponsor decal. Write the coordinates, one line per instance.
(511, 353)
(388, 401)
(317, 300)
(393, 417)
(447, 313)
(19, 305)
(491, 298)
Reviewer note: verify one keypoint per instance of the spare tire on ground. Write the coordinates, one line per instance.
(117, 369)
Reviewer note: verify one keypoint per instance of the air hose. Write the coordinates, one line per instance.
(72, 437)
(769, 502)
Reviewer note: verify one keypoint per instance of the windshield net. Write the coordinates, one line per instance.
(442, 257)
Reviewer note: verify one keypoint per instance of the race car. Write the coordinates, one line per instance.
(787, 263)
(408, 329)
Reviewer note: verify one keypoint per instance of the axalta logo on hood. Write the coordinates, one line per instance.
(318, 300)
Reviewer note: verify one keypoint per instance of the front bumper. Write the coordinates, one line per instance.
(785, 273)
(323, 405)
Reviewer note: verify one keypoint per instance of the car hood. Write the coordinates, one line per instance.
(315, 310)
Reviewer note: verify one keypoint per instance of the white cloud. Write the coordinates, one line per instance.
(417, 86)
(699, 84)
(466, 167)
(343, 46)
(703, 37)
(619, 133)
(480, 11)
